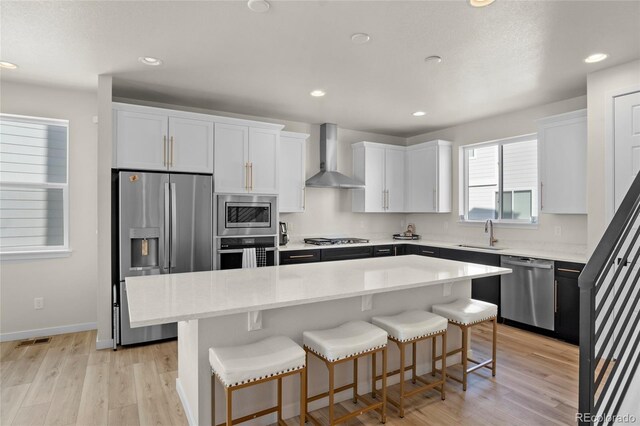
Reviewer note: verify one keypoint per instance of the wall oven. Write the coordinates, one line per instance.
(247, 215)
(230, 250)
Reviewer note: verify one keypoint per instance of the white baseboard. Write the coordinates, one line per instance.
(41, 332)
(185, 404)
(104, 344)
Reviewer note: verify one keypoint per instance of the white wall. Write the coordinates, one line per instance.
(446, 227)
(68, 285)
(600, 85)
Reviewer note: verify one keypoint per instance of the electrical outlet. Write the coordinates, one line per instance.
(557, 231)
(38, 303)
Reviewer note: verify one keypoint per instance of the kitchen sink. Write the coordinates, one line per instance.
(480, 247)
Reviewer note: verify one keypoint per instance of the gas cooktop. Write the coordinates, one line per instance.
(334, 241)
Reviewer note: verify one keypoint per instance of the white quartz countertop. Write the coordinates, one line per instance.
(161, 299)
(538, 253)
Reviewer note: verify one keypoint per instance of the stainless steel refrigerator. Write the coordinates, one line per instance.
(165, 224)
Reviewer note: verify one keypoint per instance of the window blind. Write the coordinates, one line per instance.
(33, 184)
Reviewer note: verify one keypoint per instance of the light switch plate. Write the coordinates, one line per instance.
(254, 320)
(446, 289)
(367, 302)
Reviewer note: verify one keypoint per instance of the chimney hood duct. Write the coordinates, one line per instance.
(329, 177)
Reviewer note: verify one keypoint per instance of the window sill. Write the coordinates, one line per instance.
(499, 224)
(34, 255)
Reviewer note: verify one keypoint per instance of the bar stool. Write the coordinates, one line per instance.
(243, 366)
(348, 342)
(465, 313)
(412, 327)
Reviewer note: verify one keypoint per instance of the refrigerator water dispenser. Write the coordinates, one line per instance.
(144, 247)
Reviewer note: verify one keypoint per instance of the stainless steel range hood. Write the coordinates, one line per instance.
(329, 177)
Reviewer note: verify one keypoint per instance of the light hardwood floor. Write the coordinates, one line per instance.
(68, 382)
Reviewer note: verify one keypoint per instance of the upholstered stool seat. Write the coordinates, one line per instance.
(411, 327)
(466, 313)
(347, 342)
(243, 366)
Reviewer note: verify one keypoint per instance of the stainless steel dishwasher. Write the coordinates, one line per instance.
(528, 294)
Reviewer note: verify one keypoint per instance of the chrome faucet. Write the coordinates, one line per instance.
(488, 228)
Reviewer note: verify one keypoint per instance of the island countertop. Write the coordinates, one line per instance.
(161, 299)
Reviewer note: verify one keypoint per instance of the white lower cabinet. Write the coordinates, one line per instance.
(428, 177)
(415, 179)
(291, 164)
(381, 168)
(562, 159)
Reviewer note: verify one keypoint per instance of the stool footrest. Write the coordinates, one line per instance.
(371, 405)
(326, 394)
(485, 364)
(252, 416)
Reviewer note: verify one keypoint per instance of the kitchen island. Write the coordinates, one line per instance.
(234, 307)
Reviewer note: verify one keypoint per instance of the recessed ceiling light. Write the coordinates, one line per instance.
(360, 38)
(434, 58)
(418, 113)
(8, 65)
(480, 3)
(259, 6)
(318, 93)
(596, 57)
(150, 60)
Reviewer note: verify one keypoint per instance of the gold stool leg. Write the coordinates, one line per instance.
(355, 380)
(465, 351)
(229, 394)
(374, 371)
(443, 363)
(433, 356)
(415, 362)
(303, 396)
(331, 395)
(213, 400)
(495, 346)
(383, 417)
(279, 400)
(401, 346)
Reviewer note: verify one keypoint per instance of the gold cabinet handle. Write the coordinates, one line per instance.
(575, 271)
(251, 174)
(304, 197)
(246, 177)
(171, 157)
(541, 196)
(164, 150)
(301, 256)
(555, 296)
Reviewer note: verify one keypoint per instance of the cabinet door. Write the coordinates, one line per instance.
(394, 179)
(292, 174)
(230, 159)
(374, 179)
(422, 179)
(299, 256)
(567, 309)
(563, 167)
(346, 253)
(263, 161)
(190, 145)
(141, 141)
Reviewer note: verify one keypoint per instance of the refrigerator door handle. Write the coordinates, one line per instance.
(174, 227)
(167, 196)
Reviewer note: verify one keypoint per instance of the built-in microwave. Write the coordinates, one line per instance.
(247, 215)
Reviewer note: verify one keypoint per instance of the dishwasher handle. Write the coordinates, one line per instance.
(528, 264)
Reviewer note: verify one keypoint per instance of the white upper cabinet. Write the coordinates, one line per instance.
(263, 160)
(292, 168)
(381, 168)
(190, 145)
(155, 139)
(246, 159)
(231, 171)
(141, 140)
(562, 156)
(428, 177)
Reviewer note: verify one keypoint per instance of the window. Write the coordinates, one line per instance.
(500, 181)
(34, 189)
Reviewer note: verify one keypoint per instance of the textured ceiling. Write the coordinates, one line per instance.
(219, 55)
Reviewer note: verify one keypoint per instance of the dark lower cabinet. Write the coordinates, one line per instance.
(389, 250)
(299, 256)
(423, 250)
(486, 289)
(346, 253)
(567, 301)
